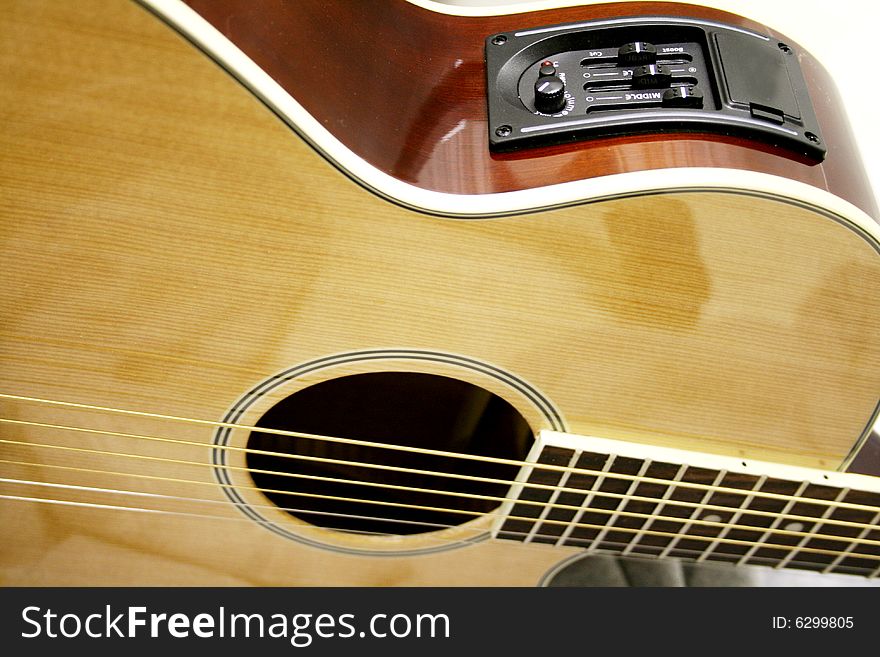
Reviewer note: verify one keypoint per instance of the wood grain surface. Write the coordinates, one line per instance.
(167, 244)
(419, 78)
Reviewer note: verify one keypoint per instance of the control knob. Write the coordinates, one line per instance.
(549, 93)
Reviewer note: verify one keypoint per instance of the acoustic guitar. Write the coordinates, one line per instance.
(340, 293)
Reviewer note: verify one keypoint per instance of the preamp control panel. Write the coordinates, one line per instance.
(632, 76)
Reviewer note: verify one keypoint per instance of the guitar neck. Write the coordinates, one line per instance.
(641, 500)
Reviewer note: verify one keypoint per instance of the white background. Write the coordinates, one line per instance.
(844, 35)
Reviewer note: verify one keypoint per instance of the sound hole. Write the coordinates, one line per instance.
(394, 408)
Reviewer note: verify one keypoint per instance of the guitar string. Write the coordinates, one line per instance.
(396, 447)
(227, 504)
(681, 552)
(436, 539)
(792, 549)
(490, 480)
(382, 485)
(539, 466)
(750, 528)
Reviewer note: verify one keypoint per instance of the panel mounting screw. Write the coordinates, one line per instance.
(813, 138)
(503, 130)
(499, 40)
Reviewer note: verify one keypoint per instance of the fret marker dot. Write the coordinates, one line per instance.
(795, 526)
(712, 517)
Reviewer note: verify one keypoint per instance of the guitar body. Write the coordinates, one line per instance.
(170, 247)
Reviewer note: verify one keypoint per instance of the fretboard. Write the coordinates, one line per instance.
(632, 499)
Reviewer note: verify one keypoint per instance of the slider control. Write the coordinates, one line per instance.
(651, 75)
(683, 97)
(637, 52)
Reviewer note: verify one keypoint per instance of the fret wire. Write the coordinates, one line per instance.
(855, 571)
(525, 501)
(689, 523)
(697, 537)
(609, 462)
(811, 534)
(622, 503)
(666, 495)
(550, 502)
(774, 524)
(847, 552)
(733, 519)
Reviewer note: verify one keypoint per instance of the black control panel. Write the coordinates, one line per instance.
(658, 74)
